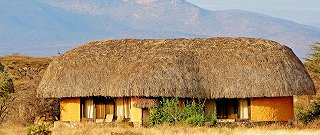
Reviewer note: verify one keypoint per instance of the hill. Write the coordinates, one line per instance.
(46, 27)
(26, 72)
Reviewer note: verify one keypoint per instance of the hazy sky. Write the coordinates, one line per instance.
(301, 11)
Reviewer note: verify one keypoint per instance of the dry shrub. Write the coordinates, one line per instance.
(26, 73)
(12, 129)
(5, 103)
(180, 129)
(27, 106)
(314, 125)
(307, 110)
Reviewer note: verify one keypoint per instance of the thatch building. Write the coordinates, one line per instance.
(243, 78)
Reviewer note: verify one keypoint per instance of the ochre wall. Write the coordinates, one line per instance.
(70, 109)
(135, 113)
(272, 109)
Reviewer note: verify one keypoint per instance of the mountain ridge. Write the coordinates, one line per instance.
(45, 27)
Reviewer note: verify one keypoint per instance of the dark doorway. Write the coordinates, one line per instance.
(227, 108)
(145, 116)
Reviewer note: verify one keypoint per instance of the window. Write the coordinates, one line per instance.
(233, 108)
(244, 109)
(110, 107)
(88, 108)
(100, 108)
(97, 108)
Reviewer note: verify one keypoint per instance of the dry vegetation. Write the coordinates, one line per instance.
(180, 129)
(96, 129)
(26, 72)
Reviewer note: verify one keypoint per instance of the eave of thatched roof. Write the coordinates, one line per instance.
(202, 68)
(146, 103)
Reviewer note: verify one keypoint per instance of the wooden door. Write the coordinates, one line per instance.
(145, 116)
(100, 110)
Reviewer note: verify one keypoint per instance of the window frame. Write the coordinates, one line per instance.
(96, 100)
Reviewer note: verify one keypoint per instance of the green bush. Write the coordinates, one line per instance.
(214, 120)
(157, 116)
(193, 113)
(6, 88)
(42, 129)
(169, 111)
(6, 85)
(311, 114)
(196, 120)
(172, 110)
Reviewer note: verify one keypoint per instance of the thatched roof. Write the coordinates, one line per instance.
(202, 68)
(146, 103)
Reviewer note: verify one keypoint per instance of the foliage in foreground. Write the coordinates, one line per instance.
(312, 64)
(41, 129)
(193, 113)
(124, 129)
(171, 112)
(311, 114)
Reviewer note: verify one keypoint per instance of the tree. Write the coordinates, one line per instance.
(312, 64)
(308, 107)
